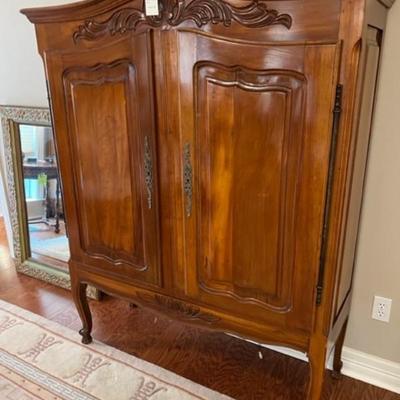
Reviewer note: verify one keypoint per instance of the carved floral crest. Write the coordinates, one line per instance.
(174, 12)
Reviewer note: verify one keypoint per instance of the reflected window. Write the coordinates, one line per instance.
(43, 198)
(30, 146)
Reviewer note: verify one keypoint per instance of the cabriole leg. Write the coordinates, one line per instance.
(82, 305)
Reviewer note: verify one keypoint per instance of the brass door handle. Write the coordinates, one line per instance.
(148, 171)
(188, 178)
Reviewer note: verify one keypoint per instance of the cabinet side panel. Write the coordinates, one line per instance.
(371, 67)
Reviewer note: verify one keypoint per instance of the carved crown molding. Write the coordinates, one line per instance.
(201, 12)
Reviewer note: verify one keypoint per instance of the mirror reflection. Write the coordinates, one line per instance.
(43, 198)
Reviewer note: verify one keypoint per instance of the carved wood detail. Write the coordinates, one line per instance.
(201, 12)
(177, 309)
(123, 72)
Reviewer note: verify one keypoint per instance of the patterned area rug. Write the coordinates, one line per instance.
(40, 359)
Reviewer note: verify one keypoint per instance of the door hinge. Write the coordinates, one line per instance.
(337, 112)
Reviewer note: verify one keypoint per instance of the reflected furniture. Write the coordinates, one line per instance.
(32, 171)
(213, 158)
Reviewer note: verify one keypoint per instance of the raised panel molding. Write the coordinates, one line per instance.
(201, 12)
(120, 71)
(291, 86)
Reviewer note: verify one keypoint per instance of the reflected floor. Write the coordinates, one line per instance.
(46, 244)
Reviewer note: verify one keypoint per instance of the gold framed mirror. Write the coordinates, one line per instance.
(34, 196)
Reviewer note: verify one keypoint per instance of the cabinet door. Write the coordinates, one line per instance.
(256, 134)
(105, 131)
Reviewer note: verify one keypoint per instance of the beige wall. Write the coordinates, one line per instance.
(378, 255)
(22, 79)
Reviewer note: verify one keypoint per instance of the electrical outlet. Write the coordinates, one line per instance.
(381, 309)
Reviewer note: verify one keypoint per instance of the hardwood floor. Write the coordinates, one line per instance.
(41, 231)
(221, 362)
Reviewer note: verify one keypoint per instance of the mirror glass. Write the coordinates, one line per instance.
(44, 214)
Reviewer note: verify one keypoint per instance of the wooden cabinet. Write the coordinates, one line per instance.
(213, 158)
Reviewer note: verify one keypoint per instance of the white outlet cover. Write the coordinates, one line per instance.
(381, 309)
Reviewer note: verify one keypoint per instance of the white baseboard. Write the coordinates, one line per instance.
(371, 369)
(358, 365)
